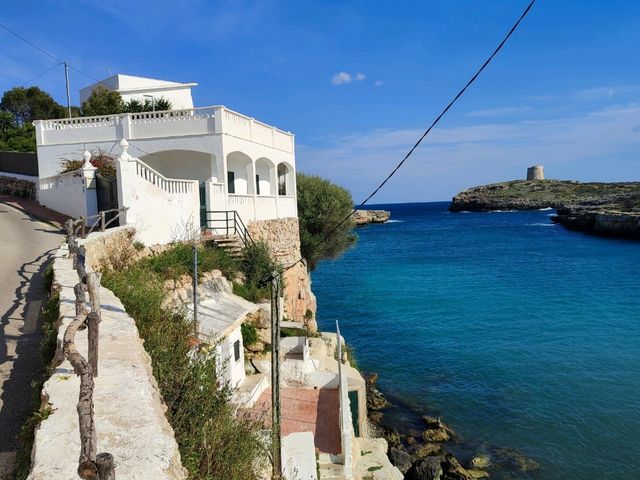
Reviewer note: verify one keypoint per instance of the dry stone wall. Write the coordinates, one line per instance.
(283, 238)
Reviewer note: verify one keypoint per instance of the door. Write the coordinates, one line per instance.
(203, 206)
(107, 197)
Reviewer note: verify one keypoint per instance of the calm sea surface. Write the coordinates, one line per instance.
(519, 333)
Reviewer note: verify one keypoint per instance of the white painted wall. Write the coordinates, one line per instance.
(299, 456)
(265, 171)
(160, 217)
(68, 193)
(233, 369)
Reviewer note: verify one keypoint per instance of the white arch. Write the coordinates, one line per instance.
(265, 176)
(240, 174)
(286, 179)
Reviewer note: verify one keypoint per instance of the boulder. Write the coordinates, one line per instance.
(429, 449)
(436, 430)
(428, 468)
(363, 217)
(453, 470)
(477, 473)
(255, 347)
(481, 461)
(400, 459)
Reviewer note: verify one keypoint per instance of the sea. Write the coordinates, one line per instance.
(521, 335)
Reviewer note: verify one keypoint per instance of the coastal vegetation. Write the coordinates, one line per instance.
(103, 101)
(213, 441)
(322, 209)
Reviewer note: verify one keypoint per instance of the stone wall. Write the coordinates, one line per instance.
(129, 412)
(283, 238)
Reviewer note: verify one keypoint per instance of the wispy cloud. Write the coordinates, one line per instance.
(581, 147)
(378, 83)
(342, 78)
(493, 112)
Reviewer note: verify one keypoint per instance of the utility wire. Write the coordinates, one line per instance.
(42, 74)
(427, 131)
(42, 50)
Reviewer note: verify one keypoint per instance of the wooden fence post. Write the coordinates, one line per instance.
(93, 322)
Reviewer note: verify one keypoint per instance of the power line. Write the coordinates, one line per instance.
(31, 43)
(42, 74)
(427, 131)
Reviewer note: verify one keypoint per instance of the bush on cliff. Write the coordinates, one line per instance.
(213, 441)
(322, 205)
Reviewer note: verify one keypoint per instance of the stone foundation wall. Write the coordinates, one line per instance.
(283, 238)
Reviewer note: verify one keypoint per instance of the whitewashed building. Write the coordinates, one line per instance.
(177, 164)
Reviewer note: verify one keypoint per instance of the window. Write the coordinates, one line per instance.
(231, 182)
(236, 350)
(257, 184)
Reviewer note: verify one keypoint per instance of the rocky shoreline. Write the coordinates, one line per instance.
(610, 209)
(433, 451)
(365, 217)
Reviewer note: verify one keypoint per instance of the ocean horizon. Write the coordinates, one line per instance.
(520, 334)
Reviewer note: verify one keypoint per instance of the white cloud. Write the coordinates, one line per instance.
(360, 76)
(378, 83)
(598, 145)
(342, 77)
(492, 112)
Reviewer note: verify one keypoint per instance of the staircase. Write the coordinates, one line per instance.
(232, 244)
(330, 468)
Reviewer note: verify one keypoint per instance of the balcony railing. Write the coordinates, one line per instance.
(192, 121)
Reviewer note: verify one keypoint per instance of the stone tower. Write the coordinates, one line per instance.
(535, 173)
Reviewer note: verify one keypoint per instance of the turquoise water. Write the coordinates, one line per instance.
(519, 333)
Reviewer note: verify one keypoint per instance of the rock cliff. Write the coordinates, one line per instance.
(363, 217)
(601, 208)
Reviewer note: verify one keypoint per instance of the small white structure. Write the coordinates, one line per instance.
(535, 173)
(212, 158)
(141, 88)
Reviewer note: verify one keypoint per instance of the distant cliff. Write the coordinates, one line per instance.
(601, 208)
(363, 217)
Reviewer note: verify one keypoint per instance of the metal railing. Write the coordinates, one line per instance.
(91, 465)
(229, 222)
(79, 226)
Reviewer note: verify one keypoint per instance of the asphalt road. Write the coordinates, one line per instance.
(25, 246)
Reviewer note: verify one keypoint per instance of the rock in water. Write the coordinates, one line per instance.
(363, 217)
(436, 430)
(481, 461)
(428, 468)
(400, 458)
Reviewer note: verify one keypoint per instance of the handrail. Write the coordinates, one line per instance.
(90, 465)
(232, 224)
(80, 224)
(169, 185)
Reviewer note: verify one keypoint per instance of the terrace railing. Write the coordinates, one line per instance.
(227, 222)
(91, 465)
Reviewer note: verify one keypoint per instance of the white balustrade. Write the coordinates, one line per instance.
(81, 122)
(287, 207)
(169, 185)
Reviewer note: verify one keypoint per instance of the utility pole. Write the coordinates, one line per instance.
(66, 77)
(195, 290)
(276, 440)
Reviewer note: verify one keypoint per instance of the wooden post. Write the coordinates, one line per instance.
(93, 322)
(87, 468)
(102, 225)
(106, 467)
(93, 285)
(276, 434)
(81, 308)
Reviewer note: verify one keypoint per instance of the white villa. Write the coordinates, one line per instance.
(186, 161)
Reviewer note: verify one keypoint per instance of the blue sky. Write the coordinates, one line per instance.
(358, 81)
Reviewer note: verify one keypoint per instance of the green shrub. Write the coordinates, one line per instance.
(322, 205)
(249, 333)
(178, 261)
(293, 332)
(251, 292)
(257, 266)
(214, 443)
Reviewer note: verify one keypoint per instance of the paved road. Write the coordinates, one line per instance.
(25, 246)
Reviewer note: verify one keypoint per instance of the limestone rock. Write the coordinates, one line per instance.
(453, 470)
(428, 468)
(429, 449)
(400, 458)
(481, 461)
(436, 430)
(363, 217)
(255, 347)
(477, 473)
